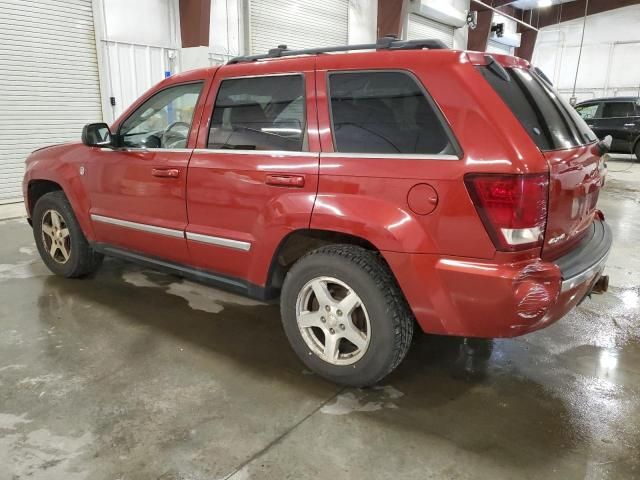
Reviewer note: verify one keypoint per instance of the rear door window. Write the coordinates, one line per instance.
(385, 113)
(618, 110)
(259, 113)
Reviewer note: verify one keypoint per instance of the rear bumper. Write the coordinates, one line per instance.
(588, 259)
(464, 297)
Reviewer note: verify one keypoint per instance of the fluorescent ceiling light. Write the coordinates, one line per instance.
(544, 3)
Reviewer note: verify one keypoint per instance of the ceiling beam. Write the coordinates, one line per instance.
(572, 10)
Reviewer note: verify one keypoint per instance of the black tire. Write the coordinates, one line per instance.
(81, 258)
(636, 150)
(390, 318)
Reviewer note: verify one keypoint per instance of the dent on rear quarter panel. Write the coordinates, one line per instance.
(61, 164)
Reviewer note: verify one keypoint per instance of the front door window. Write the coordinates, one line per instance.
(163, 121)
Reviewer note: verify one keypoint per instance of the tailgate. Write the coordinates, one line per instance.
(575, 179)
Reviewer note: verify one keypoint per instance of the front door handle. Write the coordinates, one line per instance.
(295, 181)
(629, 124)
(165, 172)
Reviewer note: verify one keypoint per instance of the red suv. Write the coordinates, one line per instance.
(366, 190)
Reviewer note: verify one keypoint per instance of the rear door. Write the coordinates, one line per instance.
(619, 121)
(254, 177)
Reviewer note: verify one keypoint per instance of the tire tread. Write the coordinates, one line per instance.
(398, 309)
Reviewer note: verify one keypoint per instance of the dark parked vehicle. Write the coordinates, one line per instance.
(616, 116)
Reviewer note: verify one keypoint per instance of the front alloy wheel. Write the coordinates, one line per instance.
(55, 236)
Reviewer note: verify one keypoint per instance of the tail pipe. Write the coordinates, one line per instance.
(601, 285)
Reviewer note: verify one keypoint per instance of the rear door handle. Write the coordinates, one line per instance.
(629, 124)
(165, 172)
(295, 181)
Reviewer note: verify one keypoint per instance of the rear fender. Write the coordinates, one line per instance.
(386, 225)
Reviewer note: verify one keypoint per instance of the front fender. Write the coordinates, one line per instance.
(386, 225)
(61, 164)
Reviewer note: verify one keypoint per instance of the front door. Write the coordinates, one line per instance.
(138, 190)
(253, 178)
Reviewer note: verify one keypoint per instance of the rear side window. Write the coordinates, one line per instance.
(618, 109)
(385, 113)
(259, 113)
(588, 111)
(548, 119)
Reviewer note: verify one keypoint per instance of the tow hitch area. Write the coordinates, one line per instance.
(602, 285)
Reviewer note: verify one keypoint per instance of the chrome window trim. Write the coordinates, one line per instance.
(400, 156)
(232, 151)
(143, 227)
(143, 150)
(219, 241)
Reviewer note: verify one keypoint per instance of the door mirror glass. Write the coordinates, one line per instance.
(97, 135)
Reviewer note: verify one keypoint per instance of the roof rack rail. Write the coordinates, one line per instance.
(384, 43)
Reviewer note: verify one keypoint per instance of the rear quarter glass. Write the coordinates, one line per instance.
(547, 118)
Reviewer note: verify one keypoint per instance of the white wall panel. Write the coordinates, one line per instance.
(131, 70)
(49, 86)
(609, 65)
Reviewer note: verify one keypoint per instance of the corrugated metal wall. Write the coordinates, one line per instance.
(297, 24)
(49, 84)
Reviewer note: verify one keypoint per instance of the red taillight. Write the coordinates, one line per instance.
(513, 208)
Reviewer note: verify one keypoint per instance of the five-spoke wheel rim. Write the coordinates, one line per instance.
(333, 321)
(55, 236)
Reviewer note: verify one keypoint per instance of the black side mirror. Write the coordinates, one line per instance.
(97, 135)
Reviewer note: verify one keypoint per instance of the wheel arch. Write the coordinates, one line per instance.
(39, 186)
(298, 243)
(36, 189)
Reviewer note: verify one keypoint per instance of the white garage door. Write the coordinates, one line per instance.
(49, 84)
(497, 47)
(420, 28)
(297, 24)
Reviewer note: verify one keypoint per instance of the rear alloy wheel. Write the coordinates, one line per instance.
(345, 316)
(333, 321)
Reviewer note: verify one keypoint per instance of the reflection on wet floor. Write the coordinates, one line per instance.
(137, 374)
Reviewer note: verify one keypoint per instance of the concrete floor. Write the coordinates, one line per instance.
(139, 375)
